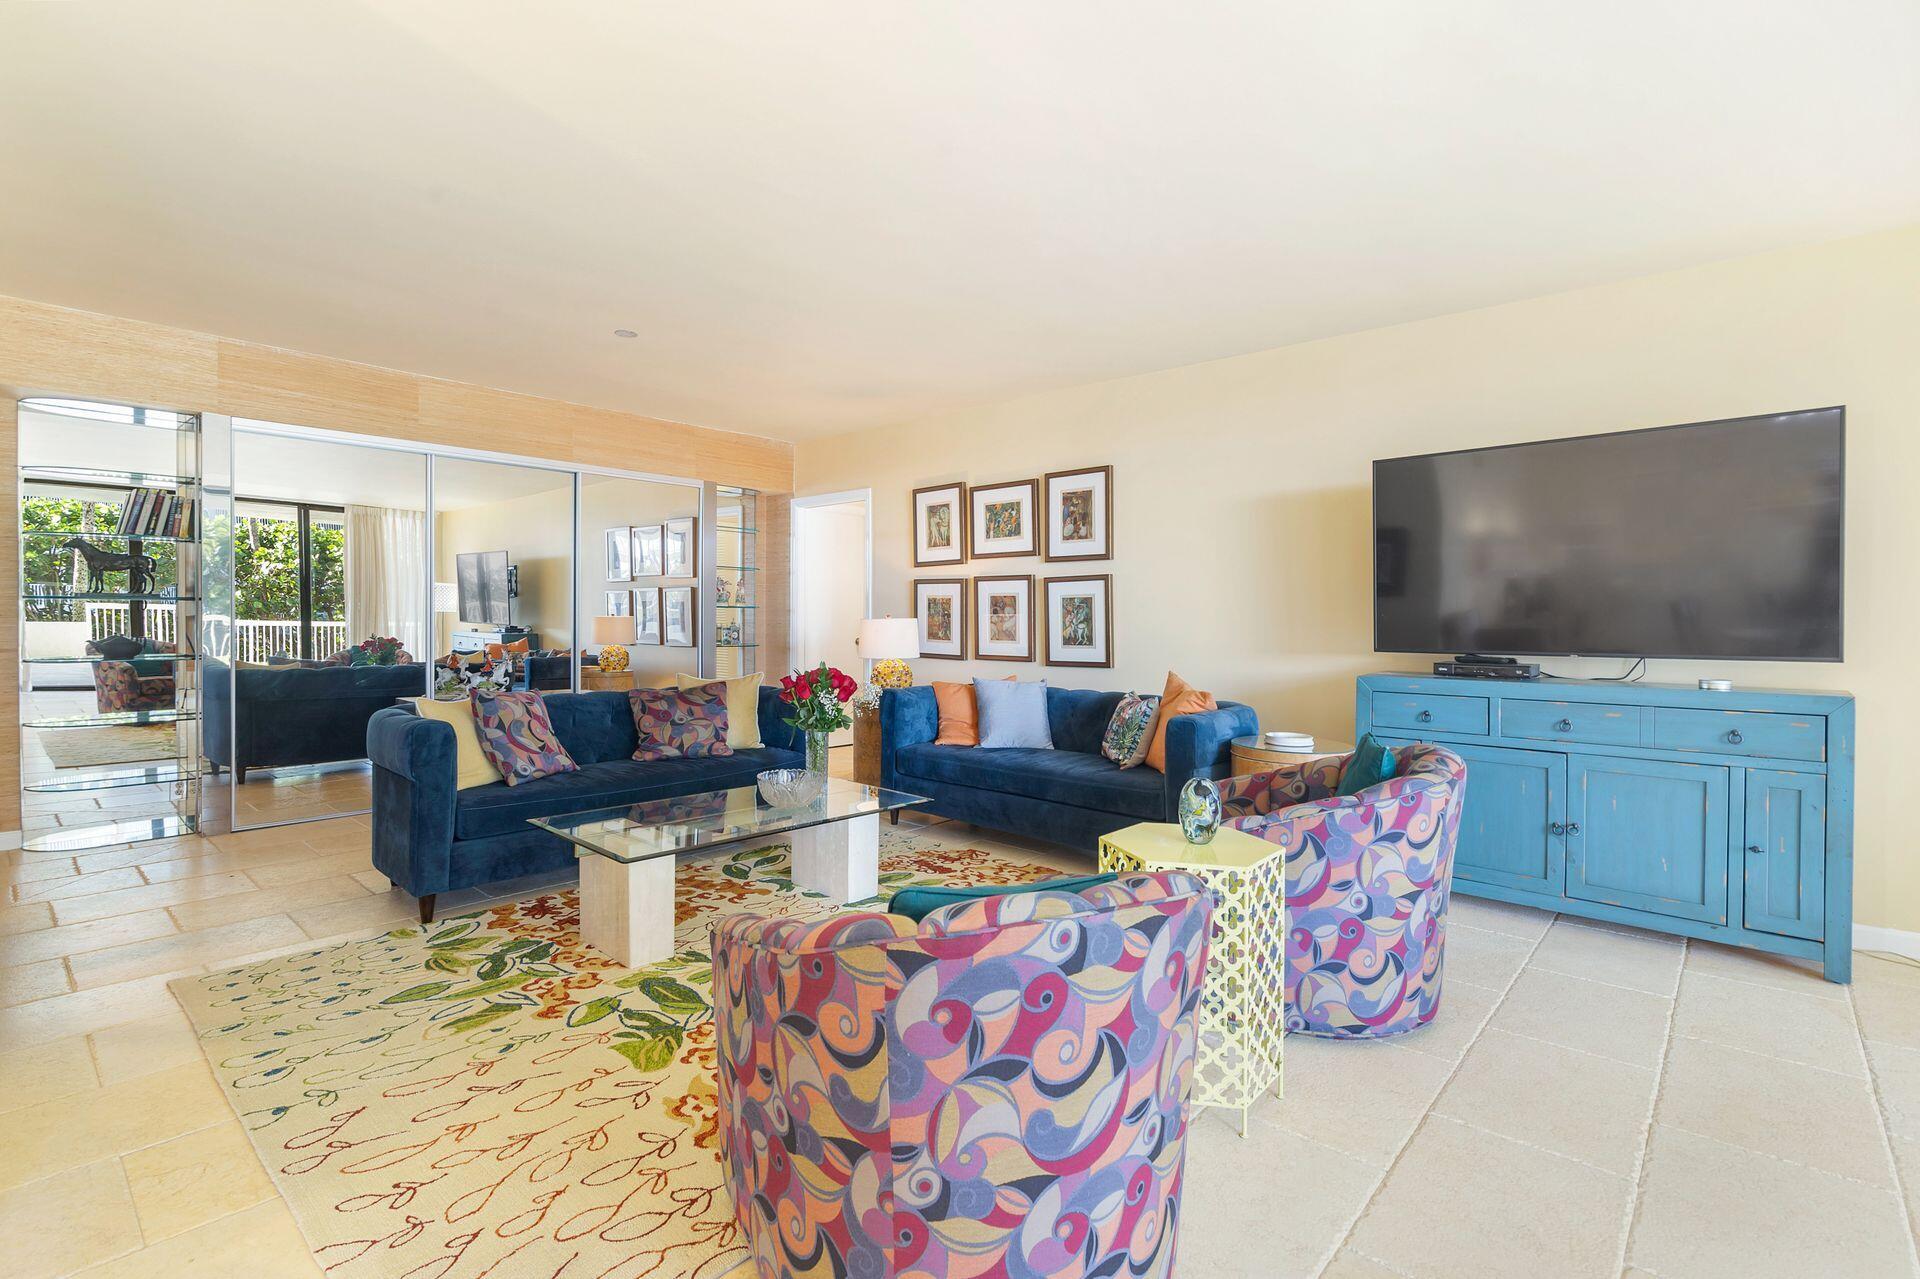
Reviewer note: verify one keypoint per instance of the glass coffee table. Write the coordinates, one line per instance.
(627, 853)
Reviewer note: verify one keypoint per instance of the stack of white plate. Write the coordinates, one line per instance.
(1300, 742)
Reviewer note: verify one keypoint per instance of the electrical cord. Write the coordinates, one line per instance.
(1632, 675)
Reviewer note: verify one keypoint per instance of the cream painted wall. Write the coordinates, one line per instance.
(536, 532)
(1241, 486)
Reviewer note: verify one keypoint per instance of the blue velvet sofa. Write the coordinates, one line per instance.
(1070, 795)
(429, 838)
(299, 714)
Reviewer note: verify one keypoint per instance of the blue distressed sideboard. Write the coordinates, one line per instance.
(1725, 816)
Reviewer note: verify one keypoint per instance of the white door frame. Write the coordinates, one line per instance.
(796, 581)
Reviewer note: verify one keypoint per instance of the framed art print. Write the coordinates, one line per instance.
(940, 525)
(646, 615)
(676, 612)
(682, 555)
(1003, 619)
(648, 555)
(1079, 514)
(1000, 519)
(1079, 620)
(940, 605)
(619, 557)
(619, 604)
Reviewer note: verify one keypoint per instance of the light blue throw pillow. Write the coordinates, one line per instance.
(1012, 714)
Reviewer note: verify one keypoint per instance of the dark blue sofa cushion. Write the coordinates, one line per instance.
(1059, 776)
(1078, 717)
(498, 809)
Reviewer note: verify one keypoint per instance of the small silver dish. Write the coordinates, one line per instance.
(791, 787)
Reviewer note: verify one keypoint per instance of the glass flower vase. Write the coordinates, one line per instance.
(816, 751)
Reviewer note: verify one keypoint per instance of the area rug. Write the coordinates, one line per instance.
(486, 1098)
(110, 744)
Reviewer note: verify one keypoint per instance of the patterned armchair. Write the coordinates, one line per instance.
(1001, 1089)
(1368, 877)
(132, 685)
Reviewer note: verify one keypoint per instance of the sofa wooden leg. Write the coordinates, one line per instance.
(426, 908)
(239, 774)
(893, 818)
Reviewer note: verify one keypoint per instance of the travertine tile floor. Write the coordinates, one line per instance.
(1592, 1101)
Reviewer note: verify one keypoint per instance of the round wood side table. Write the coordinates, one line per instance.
(1253, 755)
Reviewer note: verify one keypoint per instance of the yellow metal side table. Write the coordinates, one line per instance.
(1243, 1011)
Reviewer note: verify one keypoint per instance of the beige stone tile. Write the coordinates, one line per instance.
(364, 915)
(145, 1047)
(260, 1241)
(1636, 960)
(1882, 970)
(39, 1141)
(1464, 1202)
(77, 939)
(1626, 1025)
(1778, 1108)
(1464, 1010)
(1906, 1160)
(1809, 1029)
(266, 901)
(1713, 1211)
(1888, 1005)
(1239, 1221)
(1896, 1076)
(1351, 1265)
(74, 1219)
(179, 951)
(30, 1076)
(1324, 1078)
(315, 865)
(1481, 958)
(193, 1179)
(46, 1020)
(38, 872)
(374, 882)
(15, 920)
(148, 896)
(141, 854)
(1589, 1108)
(1711, 959)
(24, 983)
(1498, 917)
(54, 890)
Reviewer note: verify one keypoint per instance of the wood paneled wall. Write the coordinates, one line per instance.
(51, 350)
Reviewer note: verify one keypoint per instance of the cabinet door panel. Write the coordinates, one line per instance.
(1515, 799)
(1649, 834)
(1786, 855)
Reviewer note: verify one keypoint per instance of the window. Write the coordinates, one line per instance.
(289, 580)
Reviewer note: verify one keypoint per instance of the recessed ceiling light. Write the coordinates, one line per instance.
(625, 333)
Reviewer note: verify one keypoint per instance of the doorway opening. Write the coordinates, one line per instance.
(832, 587)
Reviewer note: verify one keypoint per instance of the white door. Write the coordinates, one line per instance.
(832, 584)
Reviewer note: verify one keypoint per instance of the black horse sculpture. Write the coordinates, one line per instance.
(139, 568)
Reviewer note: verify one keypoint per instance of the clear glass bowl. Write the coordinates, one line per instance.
(791, 787)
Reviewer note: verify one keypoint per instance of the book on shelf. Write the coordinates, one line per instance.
(154, 512)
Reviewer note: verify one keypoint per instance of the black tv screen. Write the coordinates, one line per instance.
(1711, 540)
(485, 592)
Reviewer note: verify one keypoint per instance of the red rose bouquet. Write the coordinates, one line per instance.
(819, 699)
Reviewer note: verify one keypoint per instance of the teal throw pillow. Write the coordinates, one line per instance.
(1369, 765)
(917, 903)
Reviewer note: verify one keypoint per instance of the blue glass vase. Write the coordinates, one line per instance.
(1199, 810)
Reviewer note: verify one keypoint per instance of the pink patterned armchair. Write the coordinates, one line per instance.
(1001, 1089)
(120, 686)
(1368, 878)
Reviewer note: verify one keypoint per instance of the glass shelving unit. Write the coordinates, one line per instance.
(67, 603)
(736, 591)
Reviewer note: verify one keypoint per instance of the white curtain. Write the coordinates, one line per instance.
(387, 575)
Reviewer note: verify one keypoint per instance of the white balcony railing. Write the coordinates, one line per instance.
(255, 639)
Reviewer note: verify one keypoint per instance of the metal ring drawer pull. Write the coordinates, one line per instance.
(1563, 726)
(1557, 828)
(1425, 717)
(1735, 737)
(1756, 850)
(1573, 828)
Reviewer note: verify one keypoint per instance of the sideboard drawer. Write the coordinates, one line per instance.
(1430, 712)
(1764, 734)
(1594, 722)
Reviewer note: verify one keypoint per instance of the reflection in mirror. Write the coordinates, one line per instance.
(621, 594)
(329, 609)
(503, 569)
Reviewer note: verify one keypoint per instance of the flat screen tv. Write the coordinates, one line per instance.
(486, 593)
(1716, 540)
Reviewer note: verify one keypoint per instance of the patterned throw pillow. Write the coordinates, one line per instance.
(682, 723)
(1130, 730)
(517, 735)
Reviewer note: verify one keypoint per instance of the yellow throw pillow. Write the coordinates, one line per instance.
(743, 708)
(471, 767)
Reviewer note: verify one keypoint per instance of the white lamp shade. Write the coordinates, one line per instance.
(885, 637)
(613, 630)
(446, 598)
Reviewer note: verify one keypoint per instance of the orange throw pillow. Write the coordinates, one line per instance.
(1180, 698)
(959, 713)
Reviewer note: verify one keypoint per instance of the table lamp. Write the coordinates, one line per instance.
(888, 642)
(613, 634)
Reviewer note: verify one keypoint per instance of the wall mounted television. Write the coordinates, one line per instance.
(486, 587)
(1715, 540)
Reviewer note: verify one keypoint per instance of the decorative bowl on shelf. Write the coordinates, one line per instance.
(791, 787)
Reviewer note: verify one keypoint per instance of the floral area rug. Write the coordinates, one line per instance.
(487, 1097)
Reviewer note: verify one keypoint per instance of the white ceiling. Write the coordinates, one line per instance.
(830, 215)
